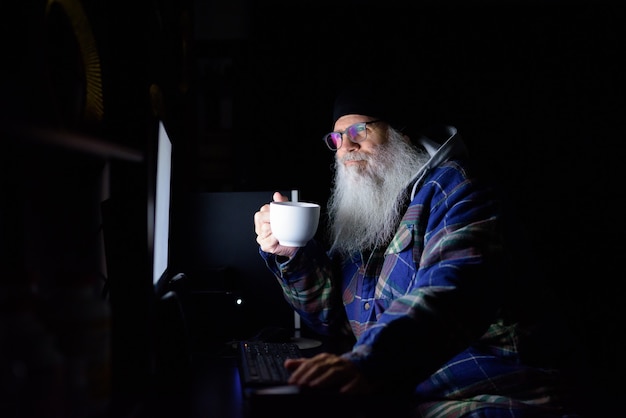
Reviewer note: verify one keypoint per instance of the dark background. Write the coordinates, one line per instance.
(536, 89)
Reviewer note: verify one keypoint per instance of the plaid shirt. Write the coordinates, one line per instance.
(425, 309)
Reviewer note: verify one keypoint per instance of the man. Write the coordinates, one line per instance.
(416, 275)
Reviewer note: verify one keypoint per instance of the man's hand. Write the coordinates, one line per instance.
(263, 230)
(328, 371)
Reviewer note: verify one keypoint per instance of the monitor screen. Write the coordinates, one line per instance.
(161, 215)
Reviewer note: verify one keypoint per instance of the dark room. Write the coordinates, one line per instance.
(128, 124)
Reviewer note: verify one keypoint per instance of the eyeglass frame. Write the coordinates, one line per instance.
(344, 133)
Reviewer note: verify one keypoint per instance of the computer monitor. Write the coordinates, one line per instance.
(148, 330)
(215, 244)
(136, 219)
(234, 295)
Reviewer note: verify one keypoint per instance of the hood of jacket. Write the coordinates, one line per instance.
(442, 146)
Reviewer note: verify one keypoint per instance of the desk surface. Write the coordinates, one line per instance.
(217, 392)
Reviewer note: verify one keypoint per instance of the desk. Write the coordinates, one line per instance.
(216, 392)
(215, 385)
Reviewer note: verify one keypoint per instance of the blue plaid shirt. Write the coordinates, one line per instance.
(425, 309)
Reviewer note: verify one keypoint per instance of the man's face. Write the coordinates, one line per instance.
(375, 137)
(370, 185)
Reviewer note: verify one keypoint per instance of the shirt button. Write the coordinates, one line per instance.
(367, 306)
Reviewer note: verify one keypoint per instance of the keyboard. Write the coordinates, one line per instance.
(261, 363)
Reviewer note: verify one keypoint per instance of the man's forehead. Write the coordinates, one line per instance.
(347, 120)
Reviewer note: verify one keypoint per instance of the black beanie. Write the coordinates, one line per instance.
(377, 102)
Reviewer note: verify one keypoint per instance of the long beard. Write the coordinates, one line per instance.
(367, 203)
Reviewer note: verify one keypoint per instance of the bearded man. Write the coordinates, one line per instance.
(415, 277)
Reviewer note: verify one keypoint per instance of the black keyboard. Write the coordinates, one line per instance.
(261, 363)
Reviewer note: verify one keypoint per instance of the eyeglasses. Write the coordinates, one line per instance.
(355, 133)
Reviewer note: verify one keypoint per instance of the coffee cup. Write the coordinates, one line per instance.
(294, 223)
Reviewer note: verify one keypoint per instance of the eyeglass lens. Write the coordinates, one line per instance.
(355, 133)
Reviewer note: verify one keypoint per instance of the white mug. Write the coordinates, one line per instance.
(294, 223)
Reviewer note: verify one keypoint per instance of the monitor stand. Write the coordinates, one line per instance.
(302, 342)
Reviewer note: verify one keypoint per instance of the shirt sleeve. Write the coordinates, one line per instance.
(307, 283)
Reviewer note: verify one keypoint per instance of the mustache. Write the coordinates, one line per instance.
(354, 156)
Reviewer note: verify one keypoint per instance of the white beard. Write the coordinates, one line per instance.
(367, 204)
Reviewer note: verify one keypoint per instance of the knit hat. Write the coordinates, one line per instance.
(375, 101)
